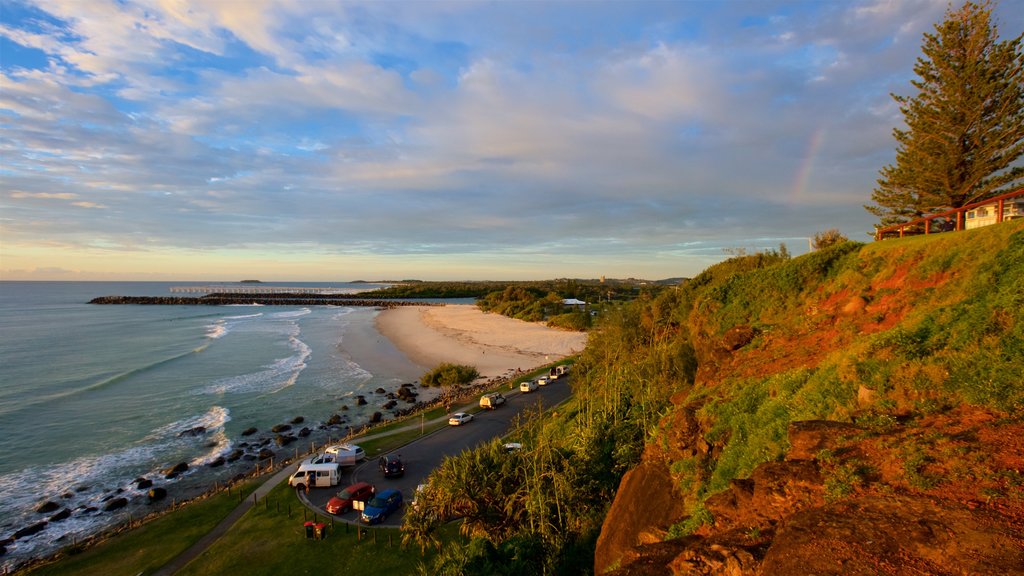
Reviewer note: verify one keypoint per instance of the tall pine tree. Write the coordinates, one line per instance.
(964, 132)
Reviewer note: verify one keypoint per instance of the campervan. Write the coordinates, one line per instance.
(345, 454)
(315, 476)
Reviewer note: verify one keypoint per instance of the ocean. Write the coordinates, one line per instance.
(93, 397)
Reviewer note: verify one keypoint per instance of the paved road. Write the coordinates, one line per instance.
(425, 454)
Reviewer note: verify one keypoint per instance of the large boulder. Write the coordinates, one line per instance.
(47, 507)
(30, 530)
(156, 494)
(115, 504)
(62, 515)
(173, 472)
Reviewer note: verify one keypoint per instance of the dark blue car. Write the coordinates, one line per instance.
(383, 504)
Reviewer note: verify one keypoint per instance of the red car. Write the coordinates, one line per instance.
(343, 501)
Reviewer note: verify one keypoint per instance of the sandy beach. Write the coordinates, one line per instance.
(463, 334)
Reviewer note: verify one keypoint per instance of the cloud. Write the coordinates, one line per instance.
(632, 132)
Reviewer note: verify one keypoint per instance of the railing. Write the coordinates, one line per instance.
(951, 219)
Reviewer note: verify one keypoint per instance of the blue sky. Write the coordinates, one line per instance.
(323, 140)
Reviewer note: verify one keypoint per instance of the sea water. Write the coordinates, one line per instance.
(93, 397)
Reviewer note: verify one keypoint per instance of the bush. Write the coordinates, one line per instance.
(829, 237)
(450, 375)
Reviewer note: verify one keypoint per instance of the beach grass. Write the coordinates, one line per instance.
(145, 549)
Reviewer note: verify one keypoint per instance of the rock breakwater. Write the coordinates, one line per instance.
(225, 299)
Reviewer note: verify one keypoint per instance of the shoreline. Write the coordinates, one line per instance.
(463, 334)
(409, 339)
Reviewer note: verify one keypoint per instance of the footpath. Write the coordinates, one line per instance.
(192, 552)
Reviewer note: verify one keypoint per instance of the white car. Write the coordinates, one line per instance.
(543, 381)
(528, 386)
(460, 418)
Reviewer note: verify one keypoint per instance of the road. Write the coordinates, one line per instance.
(424, 454)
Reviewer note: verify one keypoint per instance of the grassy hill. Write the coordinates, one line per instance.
(907, 358)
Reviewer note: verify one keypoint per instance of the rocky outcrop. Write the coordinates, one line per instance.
(843, 501)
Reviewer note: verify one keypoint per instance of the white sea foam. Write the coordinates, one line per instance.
(273, 378)
(88, 481)
(292, 313)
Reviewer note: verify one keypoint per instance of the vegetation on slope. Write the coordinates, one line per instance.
(706, 379)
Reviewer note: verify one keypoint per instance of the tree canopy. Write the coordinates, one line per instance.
(964, 127)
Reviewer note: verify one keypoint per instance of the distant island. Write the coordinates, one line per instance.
(251, 282)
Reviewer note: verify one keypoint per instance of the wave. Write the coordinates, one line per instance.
(292, 313)
(89, 481)
(99, 384)
(225, 324)
(274, 377)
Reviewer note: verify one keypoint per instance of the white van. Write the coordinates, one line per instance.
(491, 401)
(315, 476)
(345, 454)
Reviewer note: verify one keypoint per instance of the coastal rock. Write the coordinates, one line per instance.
(174, 471)
(304, 432)
(235, 455)
(265, 454)
(30, 530)
(197, 431)
(334, 420)
(143, 483)
(249, 431)
(62, 515)
(379, 391)
(281, 428)
(217, 462)
(390, 404)
(115, 504)
(47, 507)
(376, 418)
(298, 420)
(283, 440)
(360, 401)
(156, 494)
(344, 407)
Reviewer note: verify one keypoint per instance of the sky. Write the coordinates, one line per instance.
(329, 141)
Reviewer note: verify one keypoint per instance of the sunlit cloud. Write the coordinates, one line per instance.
(639, 137)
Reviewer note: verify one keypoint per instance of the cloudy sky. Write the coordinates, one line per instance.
(327, 140)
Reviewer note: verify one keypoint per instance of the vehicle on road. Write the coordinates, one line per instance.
(391, 465)
(315, 476)
(345, 454)
(491, 401)
(460, 418)
(343, 501)
(528, 386)
(543, 381)
(381, 506)
(513, 446)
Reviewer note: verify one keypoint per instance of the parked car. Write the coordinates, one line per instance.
(513, 446)
(528, 386)
(342, 502)
(391, 465)
(491, 401)
(381, 506)
(345, 454)
(543, 381)
(460, 418)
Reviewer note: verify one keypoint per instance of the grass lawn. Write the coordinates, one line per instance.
(147, 548)
(267, 542)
